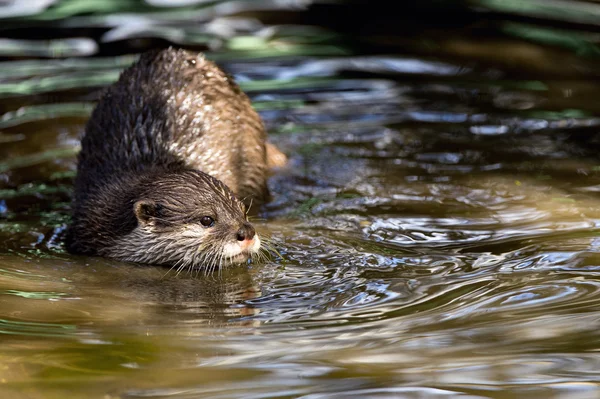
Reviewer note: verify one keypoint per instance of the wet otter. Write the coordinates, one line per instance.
(168, 155)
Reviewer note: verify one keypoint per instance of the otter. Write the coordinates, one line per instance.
(170, 159)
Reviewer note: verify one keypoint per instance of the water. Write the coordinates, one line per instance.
(437, 224)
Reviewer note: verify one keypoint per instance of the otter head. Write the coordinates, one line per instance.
(187, 220)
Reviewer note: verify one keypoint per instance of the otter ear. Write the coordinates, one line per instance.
(145, 210)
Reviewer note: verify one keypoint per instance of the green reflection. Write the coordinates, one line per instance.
(558, 115)
(277, 104)
(27, 68)
(45, 111)
(555, 9)
(34, 295)
(280, 84)
(282, 50)
(68, 8)
(14, 228)
(34, 159)
(48, 48)
(56, 83)
(21, 273)
(34, 189)
(35, 329)
(580, 43)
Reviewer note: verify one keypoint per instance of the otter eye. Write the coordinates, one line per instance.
(207, 221)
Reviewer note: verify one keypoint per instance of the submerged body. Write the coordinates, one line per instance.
(168, 155)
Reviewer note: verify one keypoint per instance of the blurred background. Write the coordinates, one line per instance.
(436, 227)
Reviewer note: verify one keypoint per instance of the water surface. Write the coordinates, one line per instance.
(437, 224)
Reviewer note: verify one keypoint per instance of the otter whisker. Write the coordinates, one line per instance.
(170, 269)
(215, 260)
(249, 206)
(180, 264)
(196, 256)
(261, 255)
(220, 265)
(209, 259)
(206, 262)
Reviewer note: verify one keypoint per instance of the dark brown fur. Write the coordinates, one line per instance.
(171, 122)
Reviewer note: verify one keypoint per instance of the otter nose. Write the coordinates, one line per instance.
(246, 232)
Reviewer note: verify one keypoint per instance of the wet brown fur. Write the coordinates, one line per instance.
(174, 130)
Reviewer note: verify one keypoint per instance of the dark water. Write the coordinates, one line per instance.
(437, 223)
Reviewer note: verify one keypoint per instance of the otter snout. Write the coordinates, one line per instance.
(247, 238)
(246, 232)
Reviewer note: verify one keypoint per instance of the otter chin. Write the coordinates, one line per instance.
(170, 159)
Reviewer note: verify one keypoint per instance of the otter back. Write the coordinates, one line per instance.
(174, 109)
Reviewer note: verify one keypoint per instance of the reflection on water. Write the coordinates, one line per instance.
(437, 224)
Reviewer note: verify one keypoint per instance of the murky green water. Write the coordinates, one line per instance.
(438, 220)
